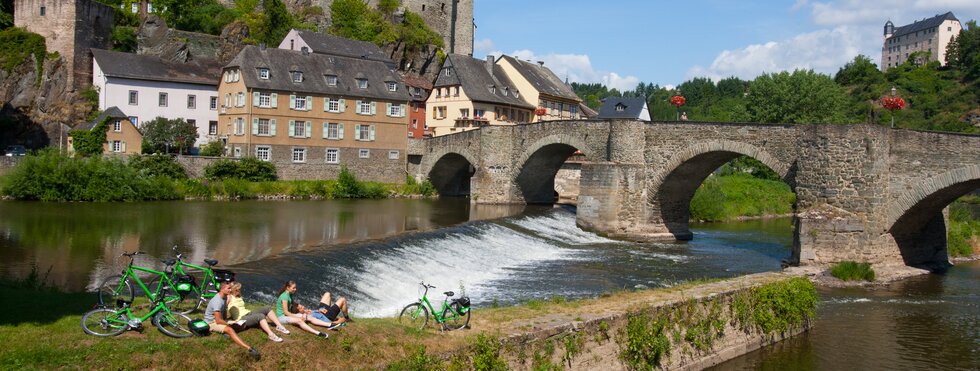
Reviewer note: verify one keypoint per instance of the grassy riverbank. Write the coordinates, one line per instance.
(964, 229)
(724, 198)
(52, 337)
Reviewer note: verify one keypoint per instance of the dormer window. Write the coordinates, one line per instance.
(446, 71)
(517, 94)
(264, 73)
(620, 107)
(331, 80)
(362, 83)
(392, 86)
(297, 76)
(493, 89)
(505, 91)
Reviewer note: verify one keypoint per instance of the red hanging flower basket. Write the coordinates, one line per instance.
(893, 103)
(678, 100)
(540, 111)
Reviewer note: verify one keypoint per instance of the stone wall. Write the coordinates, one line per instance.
(8, 163)
(378, 167)
(70, 28)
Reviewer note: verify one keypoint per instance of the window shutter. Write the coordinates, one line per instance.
(227, 100)
(326, 104)
(433, 112)
(403, 110)
(387, 109)
(309, 128)
(374, 110)
(357, 132)
(275, 100)
(326, 128)
(255, 126)
(292, 101)
(340, 131)
(255, 99)
(292, 128)
(372, 133)
(272, 127)
(122, 147)
(357, 106)
(342, 105)
(309, 103)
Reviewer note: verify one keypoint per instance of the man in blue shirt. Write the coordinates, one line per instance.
(216, 313)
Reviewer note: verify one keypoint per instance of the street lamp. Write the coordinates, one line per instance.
(678, 100)
(893, 103)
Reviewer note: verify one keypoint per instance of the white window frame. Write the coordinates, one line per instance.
(116, 146)
(240, 126)
(364, 108)
(392, 86)
(362, 133)
(333, 105)
(299, 155)
(394, 154)
(268, 127)
(214, 103)
(191, 101)
(395, 110)
(238, 152)
(333, 130)
(263, 73)
(267, 151)
(336, 155)
(363, 153)
(300, 103)
(362, 83)
(117, 126)
(297, 76)
(212, 128)
(265, 100)
(297, 127)
(331, 80)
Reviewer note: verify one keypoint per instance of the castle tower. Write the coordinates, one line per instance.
(889, 29)
(69, 27)
(453, 19)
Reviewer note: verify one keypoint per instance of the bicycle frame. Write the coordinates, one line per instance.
(130, 272)
(435, 314)
(208, 278)
(129, 314)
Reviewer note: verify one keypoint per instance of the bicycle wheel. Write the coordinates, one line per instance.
(113, 289)
(453, 319)
(173, 324)
(414, 315)
(180, 302)
(103, 322)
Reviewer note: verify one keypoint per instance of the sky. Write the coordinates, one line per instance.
(623, 42)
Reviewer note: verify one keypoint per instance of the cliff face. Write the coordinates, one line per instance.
(156, 39)
(38, 113)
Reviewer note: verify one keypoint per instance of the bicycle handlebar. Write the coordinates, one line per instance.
(426, 286)
(132, 254)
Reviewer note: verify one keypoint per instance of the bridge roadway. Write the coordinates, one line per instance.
(864, 193)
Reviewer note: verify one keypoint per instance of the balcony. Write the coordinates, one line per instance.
(467, 122)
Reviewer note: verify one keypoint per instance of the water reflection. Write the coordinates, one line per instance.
(75, 244)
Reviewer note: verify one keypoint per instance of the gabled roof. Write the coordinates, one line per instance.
(477, 80)
(111, 112)
(587, 111)
(924, 24)
(141, 67)
(631, 108)
(417, 82)
(322, 43)
(542, 79)
(281, 62)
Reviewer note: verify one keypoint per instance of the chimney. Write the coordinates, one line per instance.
(489, 64)
(541, 63)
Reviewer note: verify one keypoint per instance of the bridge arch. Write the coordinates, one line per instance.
(915, 220)
(450, 171)
(687, 169)
(539, 164)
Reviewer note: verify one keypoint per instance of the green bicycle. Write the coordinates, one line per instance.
(201, 293)
(119, 288)
(104, 321)
(454, 315)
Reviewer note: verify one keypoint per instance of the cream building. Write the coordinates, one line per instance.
(542, 88)
(470, 93)
(930, 35)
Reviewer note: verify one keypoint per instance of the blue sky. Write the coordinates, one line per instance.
(620, 43)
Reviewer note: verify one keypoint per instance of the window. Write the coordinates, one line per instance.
(214, 103)
(332, 156)
(264, 127)
(135, 8)
(43, 12)
(163, 100)
(135, 120)
(364, 107)
(134, 97)
(239, 126)
(149, 7)
(227, 100)
(416, 91)
(117, 126)
(192, 123)
(265, 100)
(392, 86)
(479, 113)
(393, 155)
(331, 80)
(947, 28)
(235, 76)
(493, 89)
(506, 91)
(364, 132)
(574, 111)
(240, 100)
(620, 107)
(394, 110)
(300, 104)
(455, 91)
(415, 123)
(264, 73)
(332, 131)
(297, 76)
(438, 92)
(362, 83)
(364, 153)
(464, 112)
(191, 101)
(333, 105)
(263, 153)
(213, 127)
(238, 152)
(116, 146)
(299, 129)
(439, 112)
(299, 154)
(446, 71)
(415, 106)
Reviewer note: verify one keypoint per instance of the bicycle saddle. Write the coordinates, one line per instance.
(169, 262)
(449, 293)
(211, 262)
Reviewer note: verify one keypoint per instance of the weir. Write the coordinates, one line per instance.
(864, 192)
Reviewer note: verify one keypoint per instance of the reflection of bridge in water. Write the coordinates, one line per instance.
(864, 193)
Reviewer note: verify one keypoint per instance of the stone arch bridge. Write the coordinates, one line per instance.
(864, 193)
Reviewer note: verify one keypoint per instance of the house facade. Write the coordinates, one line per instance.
(930, 35)
(419, 89)
(539, 86)
(471, 93)
(145, 88)
(122, 136)
(311, 114)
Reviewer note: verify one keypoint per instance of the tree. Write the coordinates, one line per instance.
(732, 87)
(963, 53)
(163, 135)
(388, 7)
(799, 97)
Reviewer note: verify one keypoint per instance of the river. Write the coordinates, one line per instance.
(376, 252)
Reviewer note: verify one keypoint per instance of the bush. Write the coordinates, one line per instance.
(964, 230)
(255, 170)
(853, 271)
(158, 165)
(221, 169)
(347, 185)
(213, 149)
(17, 44)
(729, 197)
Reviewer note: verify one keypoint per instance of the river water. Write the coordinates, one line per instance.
(376, 252)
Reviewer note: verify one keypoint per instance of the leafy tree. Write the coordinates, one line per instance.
(18, 44)
(732, 87)
(700, 93)
(123, 39)
(416, 35)
(349, 19)
(213, 148)
(6, 14)
(90, 142)
(388, 7)
(963, 53)
(163, 135)
(158, 166)
(799, 97)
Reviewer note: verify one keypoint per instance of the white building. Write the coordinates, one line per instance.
(145, 88)
(928, 35)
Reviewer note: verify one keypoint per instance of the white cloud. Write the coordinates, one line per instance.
(483, 46)
(576, 68)
(860, 12)
(800, 4)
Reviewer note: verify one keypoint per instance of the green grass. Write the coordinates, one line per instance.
(964, 229)
(722, 198)
(853, 271)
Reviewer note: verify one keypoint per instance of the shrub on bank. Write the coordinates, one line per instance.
(158, 165)
(728, 197)
(964, 231)
(248, 168)
(853, 271)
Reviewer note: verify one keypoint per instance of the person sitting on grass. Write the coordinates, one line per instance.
(216, 313)
(298, 317)
(328, 312)
(242, 319)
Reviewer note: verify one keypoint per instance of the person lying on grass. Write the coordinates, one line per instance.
(242, 319)
(328, 312)
(298, 317)
(215, 316)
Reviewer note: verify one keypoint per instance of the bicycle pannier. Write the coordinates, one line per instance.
(223, 275)
(185, 283)
(199, 328)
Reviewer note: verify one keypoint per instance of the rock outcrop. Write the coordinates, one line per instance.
(37, 112)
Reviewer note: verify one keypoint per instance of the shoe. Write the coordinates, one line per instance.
(283, 330)
(254, 354)
(323, 335)
(334, 326)
(275, 338)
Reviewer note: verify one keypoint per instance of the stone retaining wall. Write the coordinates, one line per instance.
(8, 163)
(377, 167)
